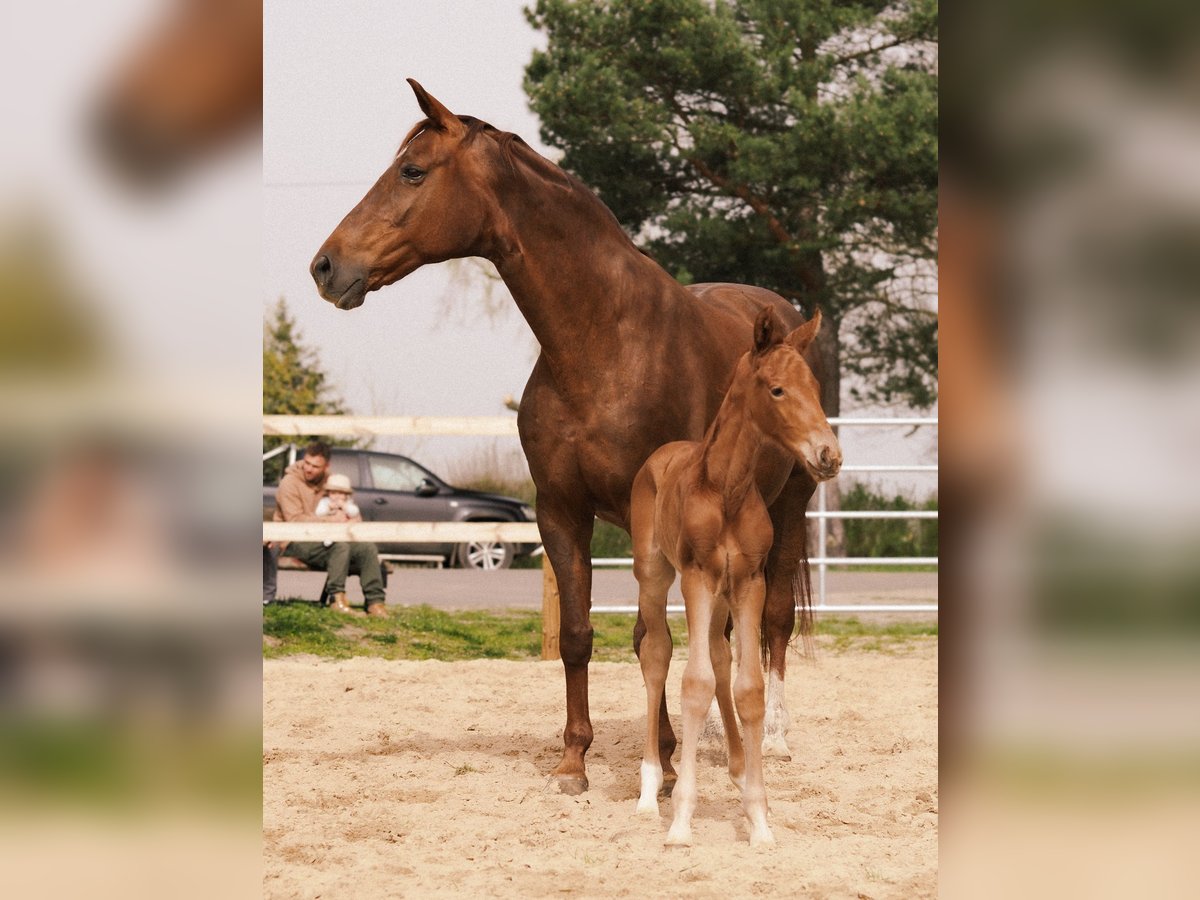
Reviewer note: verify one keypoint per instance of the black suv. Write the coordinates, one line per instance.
(393, 488)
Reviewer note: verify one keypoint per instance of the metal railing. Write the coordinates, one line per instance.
(822, 514)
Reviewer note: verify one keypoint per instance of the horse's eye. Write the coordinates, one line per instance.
(412, 173)
(776, 392)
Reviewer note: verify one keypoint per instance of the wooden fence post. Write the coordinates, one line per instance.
(549, 611)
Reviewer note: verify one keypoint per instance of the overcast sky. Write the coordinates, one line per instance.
(336, 106)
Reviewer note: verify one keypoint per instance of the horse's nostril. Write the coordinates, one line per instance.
(321, 268)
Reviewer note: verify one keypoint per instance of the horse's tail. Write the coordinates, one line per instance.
(802, 602)
(802, 597)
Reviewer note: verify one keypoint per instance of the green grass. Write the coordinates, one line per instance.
(422, 632)
(850, 633)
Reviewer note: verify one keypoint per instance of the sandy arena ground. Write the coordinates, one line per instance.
(416, 779)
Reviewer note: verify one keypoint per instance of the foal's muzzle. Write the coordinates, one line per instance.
(828, 461)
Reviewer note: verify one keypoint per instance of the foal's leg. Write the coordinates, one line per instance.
(666, 734)
(718, 636)
(784, 568)
(714, 725)
(699, 683)
(748, 694)
(654, 575)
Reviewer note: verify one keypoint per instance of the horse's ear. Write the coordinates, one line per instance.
(801, 337)
(441, 117)
(768, 329)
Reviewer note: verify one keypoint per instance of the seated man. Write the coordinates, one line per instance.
(296, 501)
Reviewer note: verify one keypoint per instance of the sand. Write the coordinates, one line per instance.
(417, 779)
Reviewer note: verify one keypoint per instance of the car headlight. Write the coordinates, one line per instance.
(529, 513)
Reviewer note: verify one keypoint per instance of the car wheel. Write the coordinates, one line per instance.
(485, 555)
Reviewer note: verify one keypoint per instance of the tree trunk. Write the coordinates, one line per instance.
(829, 375)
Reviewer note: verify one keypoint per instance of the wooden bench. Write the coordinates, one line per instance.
(438, 562)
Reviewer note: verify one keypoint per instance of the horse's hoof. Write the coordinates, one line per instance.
(668, 785)
(764, 839)
(572, 785)
(678, 837)
(776, 748)
(647, 809)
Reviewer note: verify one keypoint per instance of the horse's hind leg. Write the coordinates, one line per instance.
(666, 734)
(785, 573)
(654, 576)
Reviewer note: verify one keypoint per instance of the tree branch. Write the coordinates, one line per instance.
(887, 45)
(742, 192)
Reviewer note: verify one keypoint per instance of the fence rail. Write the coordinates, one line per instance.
(404, 532)
(379, 426)
(526, 532)
(823, 514)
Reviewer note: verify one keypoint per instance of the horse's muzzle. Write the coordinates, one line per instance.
(346, 290)
(321, 270)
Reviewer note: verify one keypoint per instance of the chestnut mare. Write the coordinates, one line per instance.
(696, 509)
(630, 360)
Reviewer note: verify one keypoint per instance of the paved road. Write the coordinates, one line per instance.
(522, 588)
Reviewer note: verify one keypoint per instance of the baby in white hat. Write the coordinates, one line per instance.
(337, 498)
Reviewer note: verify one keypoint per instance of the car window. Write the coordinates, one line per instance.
(345, 464)
(394, 474)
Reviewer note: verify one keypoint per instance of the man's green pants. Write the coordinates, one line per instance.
(339, 560)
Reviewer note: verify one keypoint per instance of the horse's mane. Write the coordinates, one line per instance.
(520, 157)
(513, 149)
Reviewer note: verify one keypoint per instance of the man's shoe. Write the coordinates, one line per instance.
(337, 602)
(377, 610)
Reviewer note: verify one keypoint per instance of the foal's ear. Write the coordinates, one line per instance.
(768, 330)
(801, 337)
(441, 117)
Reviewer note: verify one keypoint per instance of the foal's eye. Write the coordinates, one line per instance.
(412, 173)
(776, 392)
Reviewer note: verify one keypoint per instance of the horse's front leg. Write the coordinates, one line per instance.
(567, 536)
(699, 687)
(787, 587)
(748, 695)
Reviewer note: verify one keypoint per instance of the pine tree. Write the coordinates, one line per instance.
(790, 144)
(293, 383)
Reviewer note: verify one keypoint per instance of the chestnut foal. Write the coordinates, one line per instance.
(696, 509)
